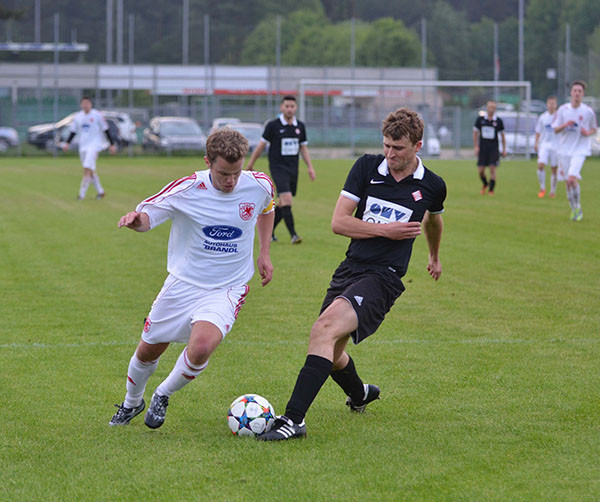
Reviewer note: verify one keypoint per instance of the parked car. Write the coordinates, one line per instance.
(595, 144)
(252, 131)
(432, 147)
(173, 133)
(222, 122)
(49, 136)
(127, 128)
(8, 137)
(516, 130)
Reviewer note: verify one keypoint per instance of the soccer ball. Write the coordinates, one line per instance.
(250, 415)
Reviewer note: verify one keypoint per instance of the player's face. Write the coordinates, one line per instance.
(552, 105)
(491, 108)
(224, 175)
(400, 153)
(288, 108)
(86, 105)
(577, 93)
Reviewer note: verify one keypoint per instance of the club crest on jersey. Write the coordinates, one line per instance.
(383, 211)
(147, 325)
(417, 195)
(246, 210)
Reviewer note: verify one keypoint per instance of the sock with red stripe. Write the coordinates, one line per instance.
(183, 373)
(137, 376)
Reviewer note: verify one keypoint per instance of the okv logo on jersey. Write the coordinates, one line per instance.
(383, 211)
(222, 232)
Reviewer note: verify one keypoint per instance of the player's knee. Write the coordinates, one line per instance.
(323, 330)
(199, 351)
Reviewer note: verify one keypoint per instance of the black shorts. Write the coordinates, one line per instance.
(370, 290)
(285, 179)
(488, 156)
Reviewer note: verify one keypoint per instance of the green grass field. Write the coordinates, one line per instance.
(489, 377)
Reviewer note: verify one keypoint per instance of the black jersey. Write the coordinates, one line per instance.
(285, 141)
(488, 130)
(382, 199)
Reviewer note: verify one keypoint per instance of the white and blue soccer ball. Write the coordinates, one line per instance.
(250, 415)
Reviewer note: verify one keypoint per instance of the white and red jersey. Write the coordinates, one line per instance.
(90, 128)
(212, 235)
(546, 131)
(570, 140)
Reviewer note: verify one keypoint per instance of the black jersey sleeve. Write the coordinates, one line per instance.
(477, 124)
(355, 181)
(437, 203)
(303, 139)
(268, 133)
(499, 125)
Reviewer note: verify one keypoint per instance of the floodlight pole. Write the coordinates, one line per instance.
(55, 103)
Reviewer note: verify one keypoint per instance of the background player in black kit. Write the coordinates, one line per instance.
(382, 205)
(286, 136)
(485, 141)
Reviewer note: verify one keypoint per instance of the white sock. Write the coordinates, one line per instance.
(137, 376)
(183, 373)
(577, 197)
(553, 181)
(570, 197)
(97, 185)
(542, 178)
(85, 183)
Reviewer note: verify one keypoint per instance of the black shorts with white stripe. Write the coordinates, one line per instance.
(371, 290)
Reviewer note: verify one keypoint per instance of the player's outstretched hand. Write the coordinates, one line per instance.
(112, 149)
(434, 268)
(398, 231)
(265, 269)
(65, 147)
(134, 220)
(312, 174)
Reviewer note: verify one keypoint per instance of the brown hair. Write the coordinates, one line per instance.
(577, 82)
(226, 143)
(403, 123)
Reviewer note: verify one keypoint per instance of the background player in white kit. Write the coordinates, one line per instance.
(214, 214)
(575, 122)
(93, 132)
(545, 146)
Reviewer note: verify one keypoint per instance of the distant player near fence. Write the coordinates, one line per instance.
(486, 132)
(545, 146)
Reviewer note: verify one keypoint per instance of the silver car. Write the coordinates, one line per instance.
(8, 137)
(173, 133)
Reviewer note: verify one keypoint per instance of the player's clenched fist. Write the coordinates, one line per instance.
(135, 221)
(399, 230)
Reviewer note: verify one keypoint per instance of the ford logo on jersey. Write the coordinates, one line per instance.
(222, 232)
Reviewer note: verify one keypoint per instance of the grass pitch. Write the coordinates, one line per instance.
(489, 377)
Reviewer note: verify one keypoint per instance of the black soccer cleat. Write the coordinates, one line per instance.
(283, 429)
(155, 416)
(124, 415)
(371, 393)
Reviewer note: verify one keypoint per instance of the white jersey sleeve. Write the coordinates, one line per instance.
(161, 206)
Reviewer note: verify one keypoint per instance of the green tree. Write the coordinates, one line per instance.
(389, 43)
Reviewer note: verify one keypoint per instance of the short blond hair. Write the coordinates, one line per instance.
(226, 143)
(403, 123)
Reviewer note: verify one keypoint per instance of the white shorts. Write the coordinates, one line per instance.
(570, 165)
(180, 304)
(88, 158)
(547, 156)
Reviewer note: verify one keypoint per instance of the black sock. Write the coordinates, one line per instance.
(350, 382)
(492, 185)
(483, 180)
(311, 378)
(278, 217)
(286, 212)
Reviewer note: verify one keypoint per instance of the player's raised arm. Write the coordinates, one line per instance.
(140, 222)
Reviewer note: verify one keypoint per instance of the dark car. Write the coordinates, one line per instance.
(173, 133)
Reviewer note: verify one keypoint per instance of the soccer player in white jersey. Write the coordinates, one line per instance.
(545, 146)
(214, 214)
(574, 124)
(93, 131)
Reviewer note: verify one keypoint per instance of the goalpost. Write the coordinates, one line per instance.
(354, 89)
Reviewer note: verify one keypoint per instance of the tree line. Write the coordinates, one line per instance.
(459, 33)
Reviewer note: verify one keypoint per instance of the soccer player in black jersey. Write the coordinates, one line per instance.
(485, 142)
(385, 200)
(286, 136)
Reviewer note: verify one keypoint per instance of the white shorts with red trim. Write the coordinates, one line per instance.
(180, 304)
(570, 165)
